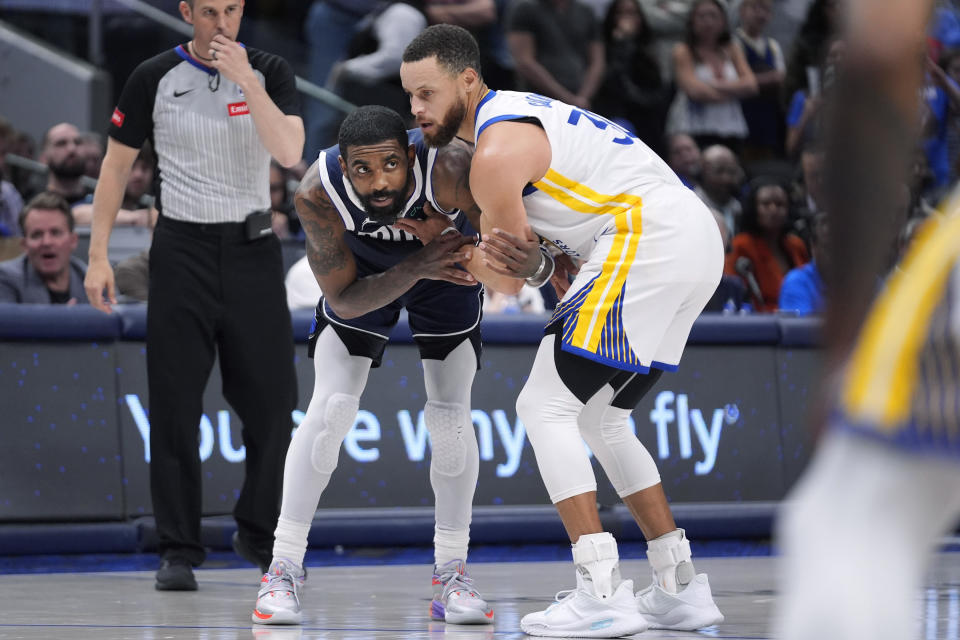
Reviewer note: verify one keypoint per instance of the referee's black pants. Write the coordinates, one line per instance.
(212, 291)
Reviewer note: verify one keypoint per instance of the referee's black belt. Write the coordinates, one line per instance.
(226, 230)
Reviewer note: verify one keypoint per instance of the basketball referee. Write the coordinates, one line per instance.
(216, 112)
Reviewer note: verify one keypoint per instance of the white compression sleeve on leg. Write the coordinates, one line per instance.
(624, 459)
(312, 456)
(549, 412)
(455, 456)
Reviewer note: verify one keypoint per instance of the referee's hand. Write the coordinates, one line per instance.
(229, 58)
(99, 278)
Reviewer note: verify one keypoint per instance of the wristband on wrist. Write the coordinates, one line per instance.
(544, 271)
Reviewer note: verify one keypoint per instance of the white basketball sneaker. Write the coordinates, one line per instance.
(679, 598)
(581, 614)
(278, 601)
(690, 609)
(455, 600)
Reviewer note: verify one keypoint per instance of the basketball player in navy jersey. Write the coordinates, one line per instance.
(356, 203)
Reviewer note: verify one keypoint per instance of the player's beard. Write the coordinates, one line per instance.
(446, 130)
(388, 214)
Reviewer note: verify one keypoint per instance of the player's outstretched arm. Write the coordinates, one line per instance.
(335, 268)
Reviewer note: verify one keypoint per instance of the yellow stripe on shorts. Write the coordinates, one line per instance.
(884, 367)
(593, 313)
(625, 208)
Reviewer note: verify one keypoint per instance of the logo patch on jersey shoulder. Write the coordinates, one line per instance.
(238, 109)
(117, 118)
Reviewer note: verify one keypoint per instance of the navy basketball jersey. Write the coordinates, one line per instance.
(376, 246)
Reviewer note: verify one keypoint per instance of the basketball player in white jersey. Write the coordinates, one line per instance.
(652, 257)
(884, 484)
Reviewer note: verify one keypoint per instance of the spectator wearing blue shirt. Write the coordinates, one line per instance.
(803, 113)
(803, 291)
(940, 91)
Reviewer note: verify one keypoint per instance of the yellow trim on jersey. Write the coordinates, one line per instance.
(883, 370)
(582, 198)
(626, 199)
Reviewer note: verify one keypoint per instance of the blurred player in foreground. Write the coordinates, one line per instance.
(885, 482)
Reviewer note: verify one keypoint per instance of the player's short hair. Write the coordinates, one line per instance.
(371, 124)
(455, 48)
(49, 201)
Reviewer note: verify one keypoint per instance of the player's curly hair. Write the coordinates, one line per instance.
(454, 47)
(371, 124)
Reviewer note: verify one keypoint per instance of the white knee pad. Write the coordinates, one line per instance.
(445, 422)
(338, 416)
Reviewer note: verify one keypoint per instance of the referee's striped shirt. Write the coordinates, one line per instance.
(212, 165)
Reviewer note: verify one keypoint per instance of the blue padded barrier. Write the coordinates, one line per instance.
(87, 537)
(800, 332)
(133, 321)
(716, 328)
(56, 322)
(534, 524)
(22, 321)
(710, 328)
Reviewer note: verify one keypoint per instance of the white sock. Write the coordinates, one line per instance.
(450, 545)
(290, 540)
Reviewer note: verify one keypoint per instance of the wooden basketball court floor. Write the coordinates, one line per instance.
(379, 602)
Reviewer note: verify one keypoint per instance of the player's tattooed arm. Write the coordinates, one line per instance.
(329, 256)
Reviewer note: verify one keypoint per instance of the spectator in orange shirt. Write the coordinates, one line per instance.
(765, 250)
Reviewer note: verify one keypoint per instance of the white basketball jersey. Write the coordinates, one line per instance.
(598, 174)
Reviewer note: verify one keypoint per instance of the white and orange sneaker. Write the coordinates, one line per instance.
(278, 601)
(454, 598)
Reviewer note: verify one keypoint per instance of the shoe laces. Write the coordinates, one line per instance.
(457, 582)
(281, 579)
